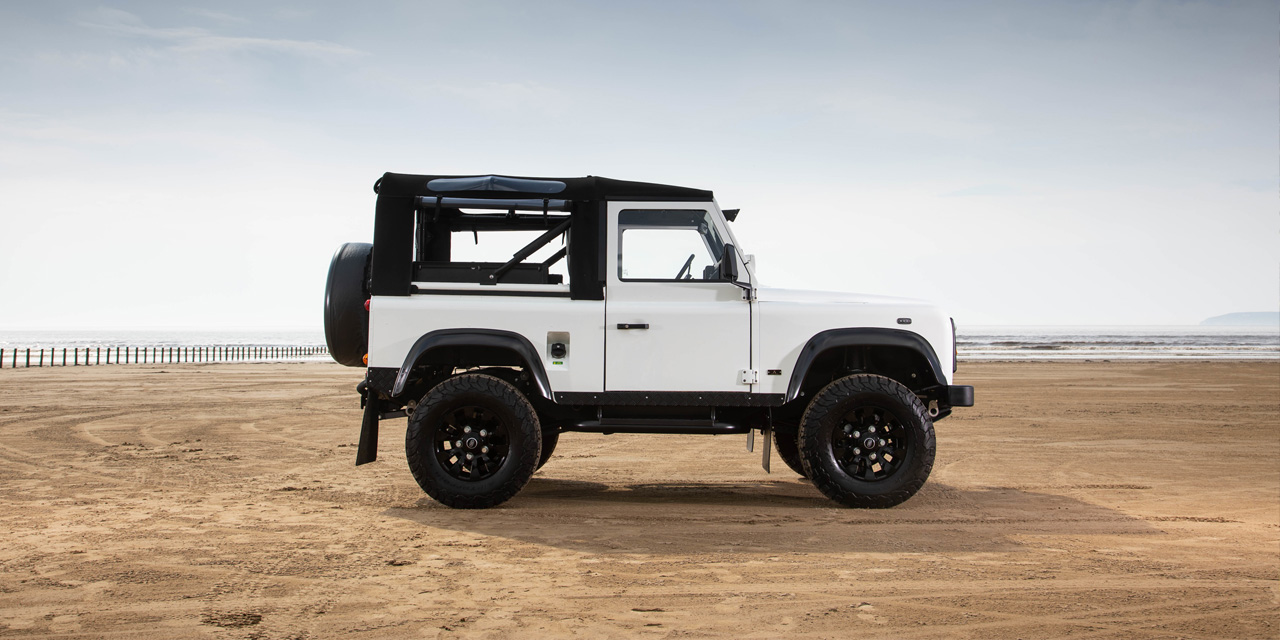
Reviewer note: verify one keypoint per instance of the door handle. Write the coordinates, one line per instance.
(638, 325)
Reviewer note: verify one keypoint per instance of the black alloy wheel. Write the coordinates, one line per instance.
(473, 442)
(867, 441)
(870, 443)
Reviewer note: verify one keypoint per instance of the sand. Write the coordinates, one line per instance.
(1132, 500)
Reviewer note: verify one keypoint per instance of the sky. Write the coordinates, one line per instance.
(170, 164)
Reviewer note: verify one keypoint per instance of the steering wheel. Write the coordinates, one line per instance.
(687, 264)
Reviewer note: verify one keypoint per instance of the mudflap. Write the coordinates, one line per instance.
(767, 434)
(368, 450)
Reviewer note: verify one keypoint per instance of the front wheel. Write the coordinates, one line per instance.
(867, 441)
(549, 439)
(473, 442)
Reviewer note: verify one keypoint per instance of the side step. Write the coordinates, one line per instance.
(654, 425)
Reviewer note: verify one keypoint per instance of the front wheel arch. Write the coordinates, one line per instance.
(903, 356)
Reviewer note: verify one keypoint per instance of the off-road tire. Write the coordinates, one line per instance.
(786, 442)
(828, 413)
(523, 438)
(549, 439)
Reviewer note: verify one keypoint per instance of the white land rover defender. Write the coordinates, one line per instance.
(648, 319)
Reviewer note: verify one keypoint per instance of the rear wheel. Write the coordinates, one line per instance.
(786, 441)
(867, 441)
(473, 442)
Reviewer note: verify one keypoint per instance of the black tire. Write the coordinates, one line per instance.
(496, 426)
(346, 321)
(848, 429)
(786, 442)
(549, 439)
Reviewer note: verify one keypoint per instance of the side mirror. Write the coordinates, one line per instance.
(728, 265)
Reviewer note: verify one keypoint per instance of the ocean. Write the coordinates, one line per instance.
(1125, 342)
(975, 343)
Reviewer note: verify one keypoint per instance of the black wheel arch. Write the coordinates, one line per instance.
(901, 355)
(473, 348)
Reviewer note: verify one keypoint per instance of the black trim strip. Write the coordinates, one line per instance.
(654, 426)
(612, 198)
(671, 398)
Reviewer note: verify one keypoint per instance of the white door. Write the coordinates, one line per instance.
(669, 326)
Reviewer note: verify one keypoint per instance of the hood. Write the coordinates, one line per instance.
(771, 294)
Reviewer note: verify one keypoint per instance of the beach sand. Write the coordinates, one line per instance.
(1123, 499)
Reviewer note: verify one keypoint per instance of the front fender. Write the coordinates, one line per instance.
(860, 337)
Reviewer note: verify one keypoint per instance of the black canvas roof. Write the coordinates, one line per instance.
(490, 186)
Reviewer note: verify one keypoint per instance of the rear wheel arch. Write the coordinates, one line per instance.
(468, 348)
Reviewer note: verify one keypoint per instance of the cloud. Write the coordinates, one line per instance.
(198, 40)
(216, 15)
(983, 190)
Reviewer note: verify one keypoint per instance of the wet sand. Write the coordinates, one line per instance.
(1123, 499)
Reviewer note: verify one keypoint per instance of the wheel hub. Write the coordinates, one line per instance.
(471, 443)
(869, 443)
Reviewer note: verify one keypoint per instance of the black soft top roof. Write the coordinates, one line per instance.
(490, 186)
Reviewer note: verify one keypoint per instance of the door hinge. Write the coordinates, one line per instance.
(748, 376)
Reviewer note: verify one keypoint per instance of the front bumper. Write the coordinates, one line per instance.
(960, 395)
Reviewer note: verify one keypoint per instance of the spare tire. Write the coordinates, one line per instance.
(346, 321)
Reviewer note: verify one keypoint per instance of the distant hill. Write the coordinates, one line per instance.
(1247, 318)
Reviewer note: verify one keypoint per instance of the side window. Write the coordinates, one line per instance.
(657, 244)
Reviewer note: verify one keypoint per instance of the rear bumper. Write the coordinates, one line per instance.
(960, 395)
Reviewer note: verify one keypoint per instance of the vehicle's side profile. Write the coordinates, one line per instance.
(630, 309)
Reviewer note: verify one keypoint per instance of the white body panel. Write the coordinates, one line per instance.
(789, 318)
(699, 334)
(699, 337)
(396, 322)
